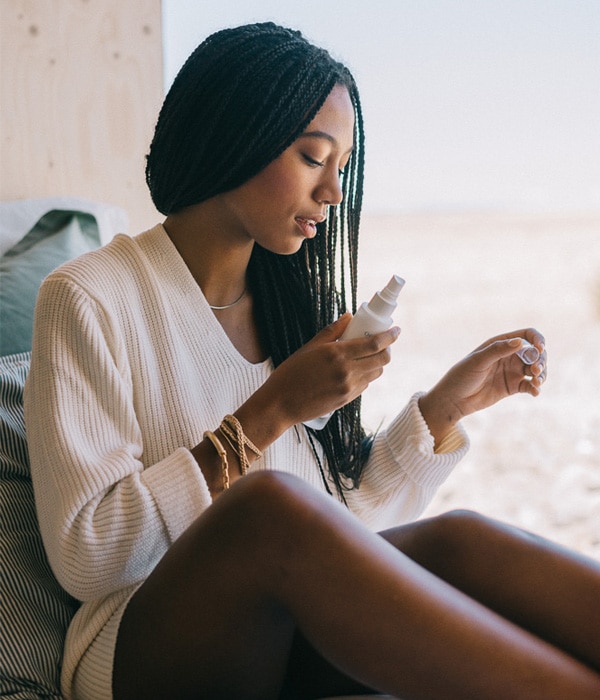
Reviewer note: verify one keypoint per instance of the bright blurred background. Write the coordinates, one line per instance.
(483, 190)
(487, 104)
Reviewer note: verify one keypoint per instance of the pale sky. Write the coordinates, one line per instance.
(468, 103)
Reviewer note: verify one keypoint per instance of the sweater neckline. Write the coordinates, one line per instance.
(167, 257)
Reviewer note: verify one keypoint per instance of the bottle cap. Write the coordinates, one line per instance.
(528, 353)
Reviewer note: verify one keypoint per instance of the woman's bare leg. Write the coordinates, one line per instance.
(216, 617)
(543, 587)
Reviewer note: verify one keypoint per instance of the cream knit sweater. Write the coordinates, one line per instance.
(129, 368)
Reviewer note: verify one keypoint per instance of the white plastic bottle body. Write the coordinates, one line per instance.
(370, 318)
(365, 323)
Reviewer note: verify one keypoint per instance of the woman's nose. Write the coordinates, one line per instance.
(329, 190)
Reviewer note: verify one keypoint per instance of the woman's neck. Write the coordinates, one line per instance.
(216, 255)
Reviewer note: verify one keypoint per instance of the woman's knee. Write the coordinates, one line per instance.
(442, 540)
(462, 521)
(458, 530)
(460, 538)
(271, 493)
(269, 506)
(468, 527)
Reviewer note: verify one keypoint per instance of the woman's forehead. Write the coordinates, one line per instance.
(334, 122)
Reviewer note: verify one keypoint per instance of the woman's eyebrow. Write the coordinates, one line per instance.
(323, 135)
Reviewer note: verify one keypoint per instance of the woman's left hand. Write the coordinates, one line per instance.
(491, 372)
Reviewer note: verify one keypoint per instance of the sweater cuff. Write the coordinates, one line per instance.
(178, 487)
(412, 446)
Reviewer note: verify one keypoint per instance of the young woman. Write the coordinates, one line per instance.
(220, 548)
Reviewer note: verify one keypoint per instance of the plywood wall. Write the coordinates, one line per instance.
(81, 85)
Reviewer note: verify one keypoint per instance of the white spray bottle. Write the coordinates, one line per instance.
(371, 318)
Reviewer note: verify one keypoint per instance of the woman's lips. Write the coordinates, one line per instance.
(307, 226)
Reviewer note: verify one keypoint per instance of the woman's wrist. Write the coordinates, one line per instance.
(440, 416)
(210, 463)
(225, 455)
(243, 435)
(264, 416)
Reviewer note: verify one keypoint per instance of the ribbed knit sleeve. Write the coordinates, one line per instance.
(106, 515)
(404, 472)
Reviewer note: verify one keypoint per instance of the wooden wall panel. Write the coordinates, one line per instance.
(81, 85)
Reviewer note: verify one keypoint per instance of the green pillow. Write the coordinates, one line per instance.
(57, 237)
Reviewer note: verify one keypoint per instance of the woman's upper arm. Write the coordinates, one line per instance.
(106, 517)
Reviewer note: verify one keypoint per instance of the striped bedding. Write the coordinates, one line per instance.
(34, 610)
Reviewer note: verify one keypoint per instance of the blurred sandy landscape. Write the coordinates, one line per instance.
(533, 462)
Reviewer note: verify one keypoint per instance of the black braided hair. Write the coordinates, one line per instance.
(242, 97)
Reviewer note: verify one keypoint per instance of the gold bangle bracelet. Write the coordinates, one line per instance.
(222, 454)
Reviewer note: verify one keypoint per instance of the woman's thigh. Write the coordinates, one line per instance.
(206, 623)
(309, 676)
(200, 626)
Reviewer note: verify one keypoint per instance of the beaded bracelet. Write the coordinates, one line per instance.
(222, 454)
(232, 430)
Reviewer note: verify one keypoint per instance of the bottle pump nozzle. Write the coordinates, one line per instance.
(383, 303)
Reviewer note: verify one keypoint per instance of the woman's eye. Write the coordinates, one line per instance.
(321, 164)
(312, 161)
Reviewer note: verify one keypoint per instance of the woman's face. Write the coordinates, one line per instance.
(280, 206)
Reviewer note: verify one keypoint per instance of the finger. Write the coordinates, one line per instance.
(333, 331)
(539, 369)
(533, 336)
(336, 329)
(358, 348)
(530, 386)
(360, 372)
(539, 376)
(500, 349)
(534, 378)
(370, 370)
(373, 363)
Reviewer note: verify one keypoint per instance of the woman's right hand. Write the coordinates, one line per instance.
(323, 375)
